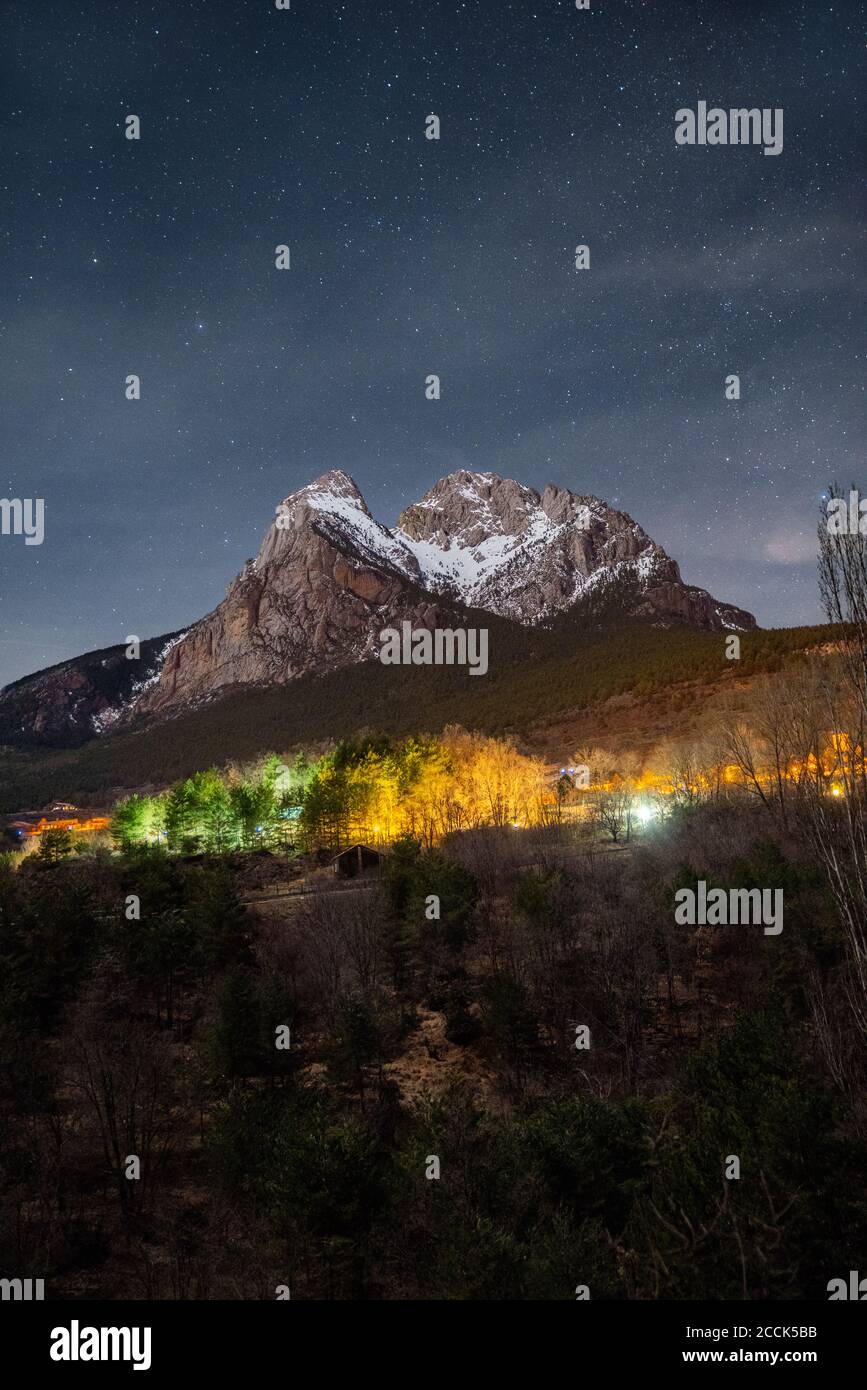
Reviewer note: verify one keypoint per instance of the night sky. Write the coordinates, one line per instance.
(410, 257)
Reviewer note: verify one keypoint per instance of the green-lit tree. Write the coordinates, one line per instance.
(131, 821)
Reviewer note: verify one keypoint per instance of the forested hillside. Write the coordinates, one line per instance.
(534, 676)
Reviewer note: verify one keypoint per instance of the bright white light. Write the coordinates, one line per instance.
(645, 813)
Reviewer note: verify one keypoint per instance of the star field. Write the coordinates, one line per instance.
(408, 257)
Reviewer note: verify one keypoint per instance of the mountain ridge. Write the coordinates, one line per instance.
(329, 577)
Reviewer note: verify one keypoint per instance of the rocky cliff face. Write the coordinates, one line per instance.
(504, 547)
(329, 577)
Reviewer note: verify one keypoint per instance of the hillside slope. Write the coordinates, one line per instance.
(549, 690)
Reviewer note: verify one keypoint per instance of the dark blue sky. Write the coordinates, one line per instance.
(409, 256)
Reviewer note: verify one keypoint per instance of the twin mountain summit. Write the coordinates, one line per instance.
(329, 579)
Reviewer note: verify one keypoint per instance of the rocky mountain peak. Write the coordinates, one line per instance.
(469, 508)
(329, 577)
(501, 545)
(331, 488)
(333, 508)
(332, 493)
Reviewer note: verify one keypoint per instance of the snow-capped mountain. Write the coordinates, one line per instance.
(493, 543)
(329, 577)
(499, 545)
